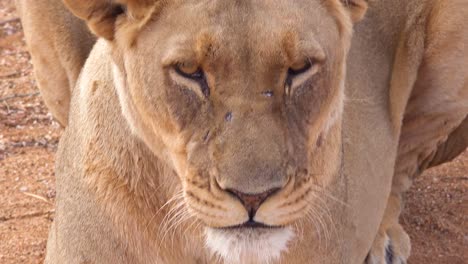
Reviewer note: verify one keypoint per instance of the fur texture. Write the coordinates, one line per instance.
(59, 44)
(149, 165)
(259, 246)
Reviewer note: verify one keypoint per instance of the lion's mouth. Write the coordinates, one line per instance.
(251, 224)
(251, 242)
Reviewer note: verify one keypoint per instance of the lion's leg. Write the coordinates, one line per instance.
(434, 126)
(392, 243)
(456, 143)
(54, 85)
(59, 44)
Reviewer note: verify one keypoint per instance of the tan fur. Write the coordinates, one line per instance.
(59, 44)
(149, 158)
(434, 101)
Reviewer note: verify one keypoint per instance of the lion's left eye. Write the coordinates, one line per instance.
(299, 68)
(299, 72)
(190, 71)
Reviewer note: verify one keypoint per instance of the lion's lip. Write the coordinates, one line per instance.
(251, 224)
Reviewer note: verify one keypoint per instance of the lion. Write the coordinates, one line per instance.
(59, 44)
(246, 131)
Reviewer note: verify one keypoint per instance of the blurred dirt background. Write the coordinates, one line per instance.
(436, 215)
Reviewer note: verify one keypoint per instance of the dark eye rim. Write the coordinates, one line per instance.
(198, 75)
(311, 63)
(307, 66)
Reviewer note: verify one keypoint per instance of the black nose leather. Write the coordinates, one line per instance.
(252, 202)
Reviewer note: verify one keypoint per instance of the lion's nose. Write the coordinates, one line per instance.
(252, 202)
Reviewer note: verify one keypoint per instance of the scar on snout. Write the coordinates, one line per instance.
(268, 93)
(228, 117)
(94, 87)
(207, 135)
(319, 141)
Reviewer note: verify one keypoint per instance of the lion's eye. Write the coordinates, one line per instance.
(190, 71)
(296, 72)
(194, 73)
(299, 68)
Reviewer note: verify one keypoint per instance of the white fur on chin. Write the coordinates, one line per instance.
(248, 245)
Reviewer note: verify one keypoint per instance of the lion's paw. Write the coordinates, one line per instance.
(391, 246)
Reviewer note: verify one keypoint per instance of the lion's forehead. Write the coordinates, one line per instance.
(250, 35)
(249, 24)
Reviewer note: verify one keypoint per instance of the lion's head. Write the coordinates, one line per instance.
(243, 99)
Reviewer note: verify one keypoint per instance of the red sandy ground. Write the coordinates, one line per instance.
(436, 215)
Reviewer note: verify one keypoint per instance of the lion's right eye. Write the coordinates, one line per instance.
(190, 71)
(194, 73)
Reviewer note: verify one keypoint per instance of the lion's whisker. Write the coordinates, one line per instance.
(168, 224)
(323, 191)
(324, 207)
(324, 216)
(315, 218)
(178, 223)
(173, 212)
(178, 195)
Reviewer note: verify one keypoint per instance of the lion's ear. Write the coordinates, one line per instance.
(101, 15)
(357, 8)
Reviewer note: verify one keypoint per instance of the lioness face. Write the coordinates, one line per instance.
(243, 99)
